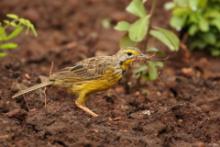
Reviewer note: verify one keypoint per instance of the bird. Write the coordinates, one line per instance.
(91, 75)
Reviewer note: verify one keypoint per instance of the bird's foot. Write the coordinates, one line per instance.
(84, 108)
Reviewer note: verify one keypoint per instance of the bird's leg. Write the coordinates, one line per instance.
(81, 103)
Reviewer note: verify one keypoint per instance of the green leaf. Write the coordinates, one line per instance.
(194, 18)
(215, 52)
(126, 42)
(2, 54)
(181, 11)
(122, 26)
(29, 25)
(159, 64)
(2, 31)
(7, 22)
(193, 29)
(33, 30)
(2, 34)
(181, 3)
(166, 37)
(194, 4)
(202, 3)
(204, 25)
(197, 44)
(10, 23)
(17, 31)
(177, 22)
(137, 8)
(25, 22)
(12, 16)
(212, 14)
(138, 29)
(153, 73)
(216, 23)
(7, 46)
(209, 38)
(169, 5)
(141, 70)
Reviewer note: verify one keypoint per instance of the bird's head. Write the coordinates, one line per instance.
(128, 55)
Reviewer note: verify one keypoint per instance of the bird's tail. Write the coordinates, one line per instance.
(35, 87)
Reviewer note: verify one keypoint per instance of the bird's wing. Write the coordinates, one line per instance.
(88, 69)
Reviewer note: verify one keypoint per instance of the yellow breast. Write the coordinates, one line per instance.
(125, 65)
(108, 79)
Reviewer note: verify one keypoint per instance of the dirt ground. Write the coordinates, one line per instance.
(180, 109)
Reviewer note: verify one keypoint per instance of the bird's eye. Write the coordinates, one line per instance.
(129, 53)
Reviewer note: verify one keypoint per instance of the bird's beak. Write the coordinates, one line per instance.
(143, 56)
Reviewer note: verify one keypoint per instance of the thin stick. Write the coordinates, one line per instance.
(51, 68)
(185, 50)
(154, 4)
(45, 94)
(45, 97)
(153, 7)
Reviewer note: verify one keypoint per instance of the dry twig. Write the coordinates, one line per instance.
(45, 94)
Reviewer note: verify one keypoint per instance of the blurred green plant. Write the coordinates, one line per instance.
(10, 28)
(199, 20)
(140, 31)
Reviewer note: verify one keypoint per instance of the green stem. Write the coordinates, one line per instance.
(153, 7)
(154, 4)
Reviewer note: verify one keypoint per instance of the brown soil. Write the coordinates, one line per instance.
(181, 108)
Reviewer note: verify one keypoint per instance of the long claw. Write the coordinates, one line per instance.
(84, 108)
